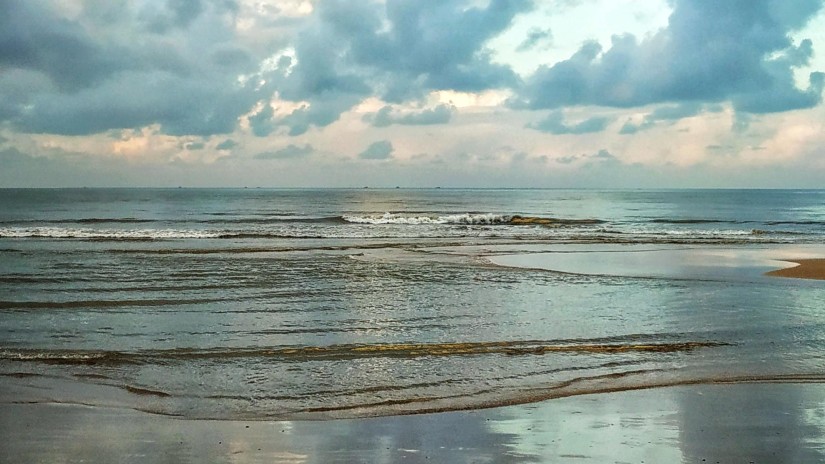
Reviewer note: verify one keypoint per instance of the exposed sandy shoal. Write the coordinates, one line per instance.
(806, 269)
(734, 263)
(698, 423)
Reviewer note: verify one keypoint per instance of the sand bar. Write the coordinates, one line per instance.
(700, 423)
(806, 269)
(732, 263)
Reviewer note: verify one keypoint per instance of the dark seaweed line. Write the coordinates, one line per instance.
(338, 352)
(97, 304)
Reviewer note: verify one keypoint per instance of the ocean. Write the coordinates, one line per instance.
(332, 303)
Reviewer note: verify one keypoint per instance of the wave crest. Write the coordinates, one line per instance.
(466, 219)
(105, 234)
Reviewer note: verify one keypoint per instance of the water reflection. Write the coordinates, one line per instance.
(750, 423)
(715, 423)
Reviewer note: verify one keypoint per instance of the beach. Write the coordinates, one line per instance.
(410, 325)
(399, 231)
(758, 422)
(805, 269)
(726, 419)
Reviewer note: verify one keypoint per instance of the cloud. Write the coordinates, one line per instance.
(174, 14)
(431, 45)
(604, 156)
(289, 152)
(398, 50)
(320, 113)
(600, 158)
(737, 51)
(20, 169)
(227, 144)
(664, 113)
(386, 116)
(194, 146)
(567, 159)
(380, 150)
(261, 122)
(106, 66)
(675, 112)
(534, 38)
(35, 38)
(554, 123)
(630, 128)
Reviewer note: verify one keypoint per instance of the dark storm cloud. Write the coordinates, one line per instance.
(441, 114)
(711, 51)
(105, 71)
(289, 152)
(380, 150)
(554, 123)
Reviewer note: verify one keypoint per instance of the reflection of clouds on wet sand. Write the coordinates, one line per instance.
(725, 423)
(56, 433)
(452, 437)
(752, 423)
(760, 422)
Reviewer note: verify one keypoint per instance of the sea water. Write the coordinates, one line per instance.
(281, 304)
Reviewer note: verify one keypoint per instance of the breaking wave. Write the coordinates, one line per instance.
(104, 234)
(467, 219)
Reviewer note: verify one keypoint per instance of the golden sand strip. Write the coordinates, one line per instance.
(807, 269)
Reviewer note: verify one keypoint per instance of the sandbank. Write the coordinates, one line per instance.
(733, 263)
(806, 269)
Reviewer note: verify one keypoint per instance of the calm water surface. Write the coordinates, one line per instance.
(281, 304)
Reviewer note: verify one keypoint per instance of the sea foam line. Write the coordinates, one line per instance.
(87, 233)
(466, 219)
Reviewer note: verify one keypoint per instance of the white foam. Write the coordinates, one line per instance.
(689, 232)
(112, 234)
(467, 218)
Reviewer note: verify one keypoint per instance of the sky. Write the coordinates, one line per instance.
(412, 93)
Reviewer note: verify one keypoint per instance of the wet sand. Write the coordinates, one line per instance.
(699, 423)
(673, 262)
(806, 269)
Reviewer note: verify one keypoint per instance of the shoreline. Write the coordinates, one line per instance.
(772, 422)
(805, 269)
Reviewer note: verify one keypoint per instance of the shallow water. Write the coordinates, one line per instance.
(263, 304)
